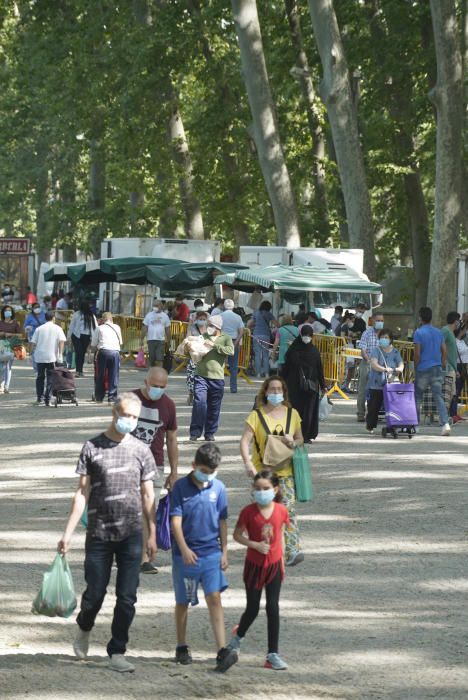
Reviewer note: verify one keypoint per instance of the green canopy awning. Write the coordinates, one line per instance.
(104, 270)
(179, 277)
(307, 278)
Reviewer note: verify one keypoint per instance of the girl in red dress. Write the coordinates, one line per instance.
(260, 528)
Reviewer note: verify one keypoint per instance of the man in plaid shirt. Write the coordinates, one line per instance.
(369, 340)
(116, 473)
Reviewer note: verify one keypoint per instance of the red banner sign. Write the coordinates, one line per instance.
(14, 246)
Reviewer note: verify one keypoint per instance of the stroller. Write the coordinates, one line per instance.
(400, 410)
(62, 386)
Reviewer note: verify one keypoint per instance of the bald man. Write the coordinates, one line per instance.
(158, 423)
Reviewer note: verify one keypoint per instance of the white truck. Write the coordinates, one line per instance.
(349, 259)
(462, 282)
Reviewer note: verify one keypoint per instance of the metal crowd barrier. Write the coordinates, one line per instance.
(332, 349)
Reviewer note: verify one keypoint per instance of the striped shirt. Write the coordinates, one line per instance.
(369, 340)
(116, 471)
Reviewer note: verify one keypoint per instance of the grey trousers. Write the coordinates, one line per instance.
(361, 399)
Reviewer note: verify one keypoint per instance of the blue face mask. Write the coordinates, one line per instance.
(8, 314)
(155, 392)
(264, 498)
(384, 342)
(202, 477)
(378, 325)
(125, 425)
(275, 399)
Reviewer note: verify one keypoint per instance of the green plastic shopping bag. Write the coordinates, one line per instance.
(302, 475)
(57, 595)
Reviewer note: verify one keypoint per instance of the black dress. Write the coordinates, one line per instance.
(304, 361)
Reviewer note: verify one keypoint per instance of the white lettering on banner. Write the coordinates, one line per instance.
(14, 246)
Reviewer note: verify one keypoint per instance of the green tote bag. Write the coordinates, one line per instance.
(302, 475)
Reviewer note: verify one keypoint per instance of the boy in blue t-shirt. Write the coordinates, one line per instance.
(199, 552)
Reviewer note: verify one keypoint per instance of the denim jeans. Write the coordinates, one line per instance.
(98, 564)
(6, 373)
(233, 362)
(107, 361)
(261, 354)
(207, 397)
(433, 377)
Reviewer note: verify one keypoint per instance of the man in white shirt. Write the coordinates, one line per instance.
(62, 305)
(157, 328)
(107, 340)
(233, 326)
(47, 345)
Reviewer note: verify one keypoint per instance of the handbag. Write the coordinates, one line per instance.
(276, 454)
(140, 360)
(302, 475)
(309, 386)
(325, 408)
(163, 523)
(5, 351)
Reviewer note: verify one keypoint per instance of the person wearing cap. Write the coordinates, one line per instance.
(233, 326)
(208, 387)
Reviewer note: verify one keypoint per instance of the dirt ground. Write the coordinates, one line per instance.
(377, 610)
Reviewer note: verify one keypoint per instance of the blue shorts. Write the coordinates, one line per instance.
(206, 571)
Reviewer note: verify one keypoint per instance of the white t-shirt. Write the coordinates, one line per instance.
(46, 339)
(107, 337)
(157, 322)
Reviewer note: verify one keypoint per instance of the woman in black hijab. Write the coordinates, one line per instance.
(303, 373)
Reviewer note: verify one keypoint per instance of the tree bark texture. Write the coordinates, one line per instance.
(398, 97)
(265, 127)
(304, 77)
(337, 97)
(191, 205)
(448, 99)
(97, 192)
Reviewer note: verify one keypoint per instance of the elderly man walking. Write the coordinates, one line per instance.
(208, 388)
(157, 423)
(233, 326)
(116, 480)
(157, 329)
(107, 340)
(369, 341)
(47, 346)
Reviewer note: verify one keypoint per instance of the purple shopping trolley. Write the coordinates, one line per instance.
(400, 410)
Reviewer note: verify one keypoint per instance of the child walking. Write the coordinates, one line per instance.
(260, 528)
(199, 554)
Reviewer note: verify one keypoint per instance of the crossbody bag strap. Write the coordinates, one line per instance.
(265, 427)
(288, 420)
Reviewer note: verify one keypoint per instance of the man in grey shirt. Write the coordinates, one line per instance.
(116, 480)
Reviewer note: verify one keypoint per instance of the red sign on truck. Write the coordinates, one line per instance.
(14, 246)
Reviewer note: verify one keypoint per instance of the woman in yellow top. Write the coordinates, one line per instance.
(272, 401)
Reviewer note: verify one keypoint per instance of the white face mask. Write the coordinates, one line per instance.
(211, 330)
(306, 339)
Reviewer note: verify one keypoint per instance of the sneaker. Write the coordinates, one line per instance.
(370, 431)
(445, 429)
(192, 438)
(39, 403)
(455, 419)
(119, 663)
(361, 419)
(209, 438)
(225, 658)
(148, 568)
(7, 391)
(234, 642)
(182, 655)
(81, 644)
(275, 662)
(295, 559)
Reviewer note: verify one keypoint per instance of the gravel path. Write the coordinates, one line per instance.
(377, 610)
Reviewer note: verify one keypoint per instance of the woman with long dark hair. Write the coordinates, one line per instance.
(303, 373)
(82, 324)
